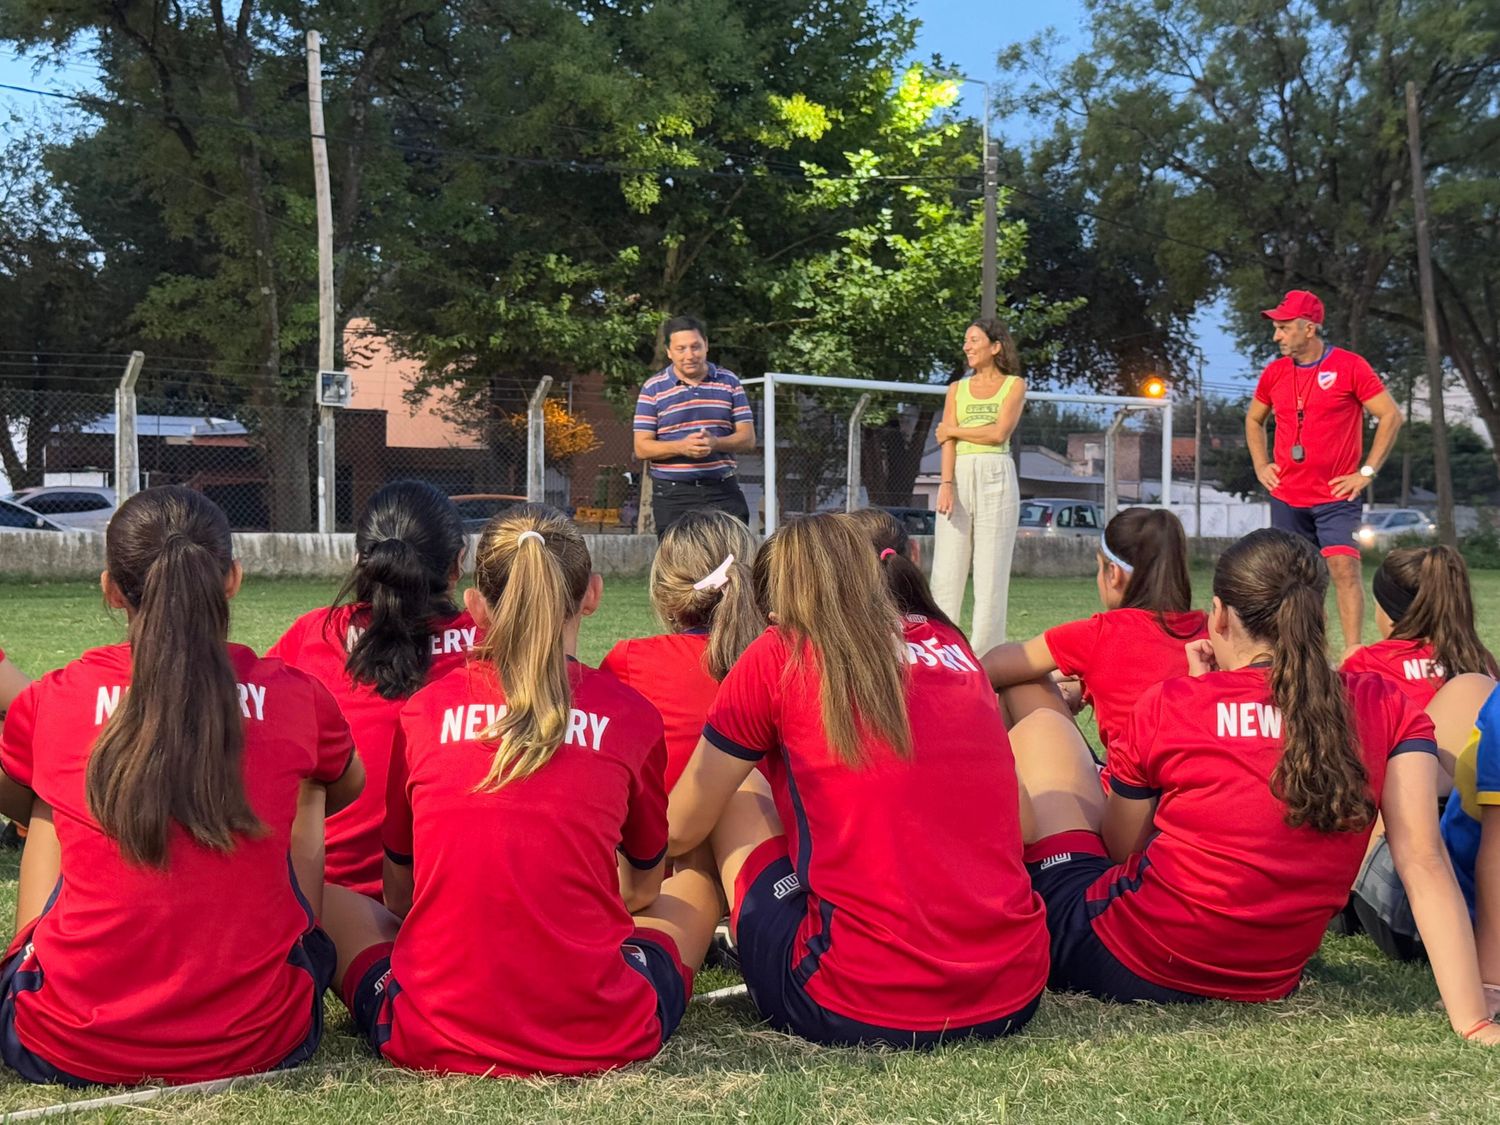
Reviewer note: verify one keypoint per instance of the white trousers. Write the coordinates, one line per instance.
(982, 528)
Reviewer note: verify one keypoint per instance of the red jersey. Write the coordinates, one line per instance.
(920, 914)
(1331, 394)
(1407, 664)
(1118, 654)
(672, 672)
(1226, 900)
(185, 973)
(318, 643)
(510, 960)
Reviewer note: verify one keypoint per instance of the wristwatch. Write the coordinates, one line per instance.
(1367, 471)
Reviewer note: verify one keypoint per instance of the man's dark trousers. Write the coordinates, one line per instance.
(673, 499)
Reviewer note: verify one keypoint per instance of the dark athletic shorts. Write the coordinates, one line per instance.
(770, 903)
(1063, 867)
(314, 954)
(1329, 527)
(369, 983)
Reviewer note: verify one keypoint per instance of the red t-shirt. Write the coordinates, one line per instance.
(1118, 654)
(672, 672)
(318, 643)
(920, 914)
(1332, 392)
(510, 959)
(1226, 900)
(183, 974)
(1407, 664)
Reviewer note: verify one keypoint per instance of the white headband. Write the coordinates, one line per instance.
(525, 535)
(717, 579)
(1112, 557)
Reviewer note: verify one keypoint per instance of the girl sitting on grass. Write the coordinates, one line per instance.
(160, 932)
(392, 628)
(876, 887)
(1424, 609)
(1138, 640)
(525, 820)
(701, 591)
(1242, 799)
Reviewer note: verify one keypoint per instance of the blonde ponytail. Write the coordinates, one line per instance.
(533, 570)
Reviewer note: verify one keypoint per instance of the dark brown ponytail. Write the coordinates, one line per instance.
(1152, 541)
(172, 749)
(1276, 583)
(903, 578)
(1441, 610)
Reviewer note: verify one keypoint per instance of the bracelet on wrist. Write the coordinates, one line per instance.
(945, 482)
(1478, 1027)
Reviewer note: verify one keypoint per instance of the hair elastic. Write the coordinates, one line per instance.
(1114, 558)
(1391, 596)
(529, 534)
(717, 578)
(887, 553)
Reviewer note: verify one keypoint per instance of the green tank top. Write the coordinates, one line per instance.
(971, 411)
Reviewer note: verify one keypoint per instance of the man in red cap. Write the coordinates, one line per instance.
(1318, 395)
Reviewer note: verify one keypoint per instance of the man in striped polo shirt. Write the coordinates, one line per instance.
(690, 420)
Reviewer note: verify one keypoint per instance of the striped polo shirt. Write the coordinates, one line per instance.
(670, 410)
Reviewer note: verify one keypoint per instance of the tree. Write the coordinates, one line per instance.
(60, 311)
(200, 126)
(890, 299)
(1264, 145)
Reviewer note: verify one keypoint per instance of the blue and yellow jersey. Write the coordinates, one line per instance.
(1476, 784)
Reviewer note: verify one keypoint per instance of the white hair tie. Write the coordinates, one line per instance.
(1110, 556)
(717, 579)
(525, 535)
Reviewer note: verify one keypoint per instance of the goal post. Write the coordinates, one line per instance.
(1123, 405)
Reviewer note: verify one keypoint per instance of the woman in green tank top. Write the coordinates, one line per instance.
(978, 500)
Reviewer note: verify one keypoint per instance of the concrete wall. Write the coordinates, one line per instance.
(80, 554)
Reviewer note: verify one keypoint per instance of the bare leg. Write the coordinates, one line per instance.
(687, 910)
(749, 820)
(354, 922)
(1453, 711)
(1350, 593)
(1057, 772)
(1020, 700)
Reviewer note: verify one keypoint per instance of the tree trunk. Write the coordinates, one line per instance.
(893, 458)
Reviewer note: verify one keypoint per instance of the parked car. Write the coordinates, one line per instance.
(1060, 516)
(1381, 529)
(17, 517)
(478, 508)
(917, 521)
(87, 507)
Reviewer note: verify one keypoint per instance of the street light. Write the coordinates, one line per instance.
(1154, 387)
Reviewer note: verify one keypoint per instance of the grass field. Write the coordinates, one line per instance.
(1361, 1041)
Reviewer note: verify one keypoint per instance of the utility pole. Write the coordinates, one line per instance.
(991, 213)
(327, 464)
(1441, 470)
(1198, 454)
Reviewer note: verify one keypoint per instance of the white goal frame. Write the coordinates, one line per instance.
(1124, 405)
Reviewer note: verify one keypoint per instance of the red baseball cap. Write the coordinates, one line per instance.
(1299, 304)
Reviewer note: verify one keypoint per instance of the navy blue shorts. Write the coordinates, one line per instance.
(1063, 868)
(770, 904)
(651, 953)
(1329, 527)
(314, 953)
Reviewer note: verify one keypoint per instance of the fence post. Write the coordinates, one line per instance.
(1111, 473)
(536, 442)
(770, 457)
(127, 451)
(1166, 455)
(856, 442)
